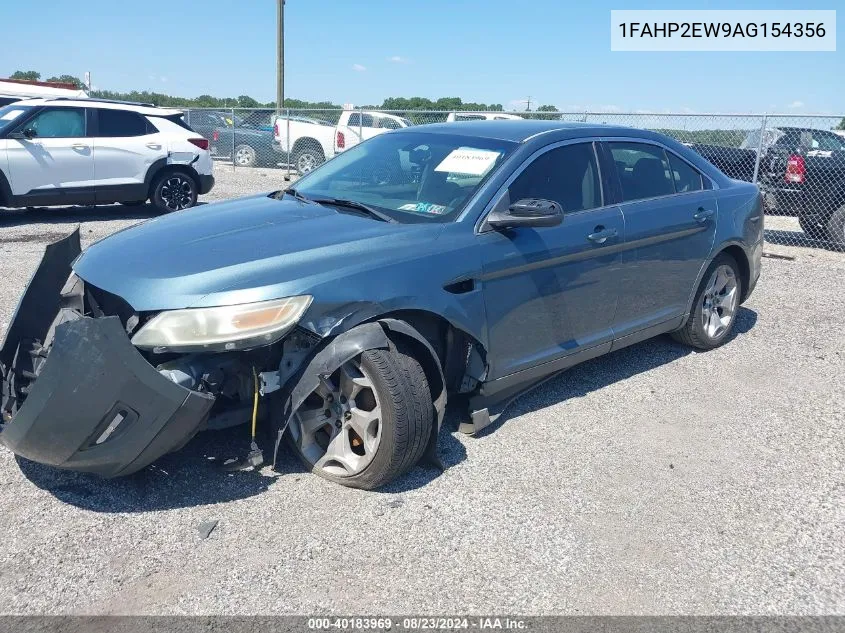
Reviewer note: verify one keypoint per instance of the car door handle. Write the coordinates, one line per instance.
(600, 235)
(79, 146)
(702, 215)
(154, 145)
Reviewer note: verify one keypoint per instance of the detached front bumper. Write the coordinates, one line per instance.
(94, 404)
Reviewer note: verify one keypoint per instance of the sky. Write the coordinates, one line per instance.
(492, 51)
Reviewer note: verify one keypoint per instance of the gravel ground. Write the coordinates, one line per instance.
(651, 481)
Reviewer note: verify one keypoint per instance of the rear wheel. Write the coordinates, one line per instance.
(245, 156)
(836, 227)
(367, 423)
(715, 306)
(308, 158)
(174, 191)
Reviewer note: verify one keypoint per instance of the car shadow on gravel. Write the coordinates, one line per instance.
(592, 375)
(195, 475)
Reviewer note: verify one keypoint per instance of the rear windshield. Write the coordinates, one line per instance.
(178, 119)
(9, 113)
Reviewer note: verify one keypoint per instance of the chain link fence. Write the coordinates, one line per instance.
(798, 161)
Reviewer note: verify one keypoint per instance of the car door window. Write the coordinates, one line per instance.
(367, 120)
(567, 175)
(686, 177)
(354, 120)
(58, 123)
(120, 123)
(388, 124)
(643, 170)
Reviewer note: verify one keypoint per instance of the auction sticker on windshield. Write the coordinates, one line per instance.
(469, 161)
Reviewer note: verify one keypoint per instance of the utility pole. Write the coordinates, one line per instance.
(280, 61)
(528, 104)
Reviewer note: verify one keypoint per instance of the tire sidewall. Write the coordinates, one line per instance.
(156, 198)
(698, 327)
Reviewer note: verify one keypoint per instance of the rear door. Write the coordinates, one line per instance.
(670, 228)
(56, 164)
(551, 292)
(126, 144)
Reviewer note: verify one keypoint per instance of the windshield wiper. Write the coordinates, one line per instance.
(293, 192)
(357, 206)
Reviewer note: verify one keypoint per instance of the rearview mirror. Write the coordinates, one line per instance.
(528, 212)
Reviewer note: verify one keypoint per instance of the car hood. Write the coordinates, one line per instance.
(251, 249)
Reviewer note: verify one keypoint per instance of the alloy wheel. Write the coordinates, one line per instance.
(338, 427)
(245, 156)
(177, 193)
(306, 162)
(719, 302)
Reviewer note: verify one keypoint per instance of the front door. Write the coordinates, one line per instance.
(550, 292)
(55, 164)
(670, 227)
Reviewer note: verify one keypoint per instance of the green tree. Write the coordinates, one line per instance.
(245, 101)
(26, 75)
(841, 125)
(68, 79)
(547, 108)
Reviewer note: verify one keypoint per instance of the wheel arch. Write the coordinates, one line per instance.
(307, 141)
(161, 166)
(5, 189)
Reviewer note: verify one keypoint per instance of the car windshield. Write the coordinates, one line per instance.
(410, 176)
(10, 113)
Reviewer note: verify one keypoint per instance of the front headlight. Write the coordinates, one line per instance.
(221, 328)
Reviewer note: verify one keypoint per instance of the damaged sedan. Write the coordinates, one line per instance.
(461, 259)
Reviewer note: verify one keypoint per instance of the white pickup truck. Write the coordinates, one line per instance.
(312, 142)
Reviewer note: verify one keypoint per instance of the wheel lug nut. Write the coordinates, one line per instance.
(337, 424)
(347, 415)
(327, 413)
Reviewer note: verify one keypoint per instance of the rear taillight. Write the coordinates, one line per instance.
(795, 169)
(276, 129)
(215, 136)
(341, 140)
(202, 143)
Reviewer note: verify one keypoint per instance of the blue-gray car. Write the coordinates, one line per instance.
(472, 259)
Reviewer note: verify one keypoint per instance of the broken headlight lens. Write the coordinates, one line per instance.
(221, 328)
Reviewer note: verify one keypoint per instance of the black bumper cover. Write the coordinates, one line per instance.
(97, 405)
(206, 183)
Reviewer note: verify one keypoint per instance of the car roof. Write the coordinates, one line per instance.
(519, 131)
(141, 108)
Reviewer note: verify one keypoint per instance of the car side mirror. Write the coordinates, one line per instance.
(527, 212)
(27, 133)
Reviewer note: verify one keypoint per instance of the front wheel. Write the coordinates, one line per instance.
(174, 191)
(715, 306)
(368, 422)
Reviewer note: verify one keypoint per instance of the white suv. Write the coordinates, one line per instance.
(90, 151)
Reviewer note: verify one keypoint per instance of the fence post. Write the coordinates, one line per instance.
(234, 162)
(360, 124)
(759, 150)
(287, 142)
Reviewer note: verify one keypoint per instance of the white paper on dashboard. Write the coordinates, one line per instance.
(465, 160)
